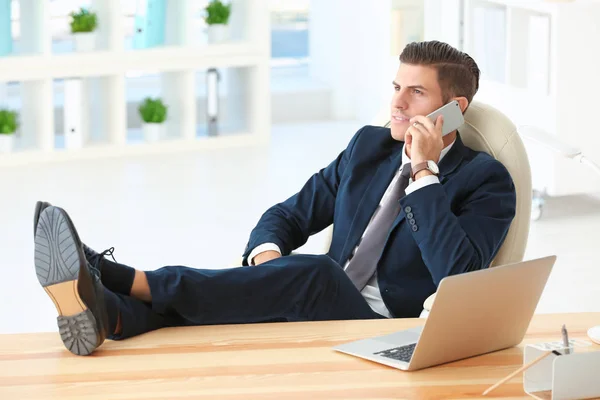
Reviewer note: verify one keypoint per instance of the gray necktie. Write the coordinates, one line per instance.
(364, 263)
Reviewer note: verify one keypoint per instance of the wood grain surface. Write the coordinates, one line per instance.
(266, 361)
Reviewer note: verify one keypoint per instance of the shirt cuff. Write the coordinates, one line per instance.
(421, 183)
(259, 249)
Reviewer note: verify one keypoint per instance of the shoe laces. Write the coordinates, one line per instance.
(96, 258)
(108, 252)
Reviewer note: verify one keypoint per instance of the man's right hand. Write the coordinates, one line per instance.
(266, 256)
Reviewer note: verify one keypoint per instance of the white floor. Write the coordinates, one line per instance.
(197, 209)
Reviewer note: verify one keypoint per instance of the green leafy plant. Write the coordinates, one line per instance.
(217, 12)
(8, 122)
(83, 21)
(153, 111)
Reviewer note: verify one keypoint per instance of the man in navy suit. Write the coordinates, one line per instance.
(422, 207)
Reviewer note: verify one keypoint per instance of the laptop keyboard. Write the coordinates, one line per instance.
(402, 353)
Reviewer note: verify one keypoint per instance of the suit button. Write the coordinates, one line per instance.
(409, 215)
(407, 209)
(412, 221)
(415, 228)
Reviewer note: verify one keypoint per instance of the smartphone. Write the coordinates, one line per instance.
(453, 117)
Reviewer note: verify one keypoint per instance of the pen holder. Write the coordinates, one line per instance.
(568, 376)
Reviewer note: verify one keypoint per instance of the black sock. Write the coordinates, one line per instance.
(117, 277)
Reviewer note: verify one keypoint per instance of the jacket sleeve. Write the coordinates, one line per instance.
(289, 224)
(469, 238)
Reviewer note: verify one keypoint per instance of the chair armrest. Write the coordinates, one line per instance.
(428, 303)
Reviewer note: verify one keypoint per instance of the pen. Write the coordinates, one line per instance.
(565, 337)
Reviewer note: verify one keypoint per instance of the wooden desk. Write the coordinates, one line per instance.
(269, 361)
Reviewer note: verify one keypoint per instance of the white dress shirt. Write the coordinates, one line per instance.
(371, 292)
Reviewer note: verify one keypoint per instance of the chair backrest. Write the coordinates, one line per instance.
(487, 129)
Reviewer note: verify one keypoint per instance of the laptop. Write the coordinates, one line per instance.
(473, 313)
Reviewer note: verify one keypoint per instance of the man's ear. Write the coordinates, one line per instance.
(463, 103)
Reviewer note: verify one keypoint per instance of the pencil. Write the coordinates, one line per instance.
(523, 368)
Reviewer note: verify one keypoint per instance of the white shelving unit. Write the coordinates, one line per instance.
(542, 62)
(103, 72)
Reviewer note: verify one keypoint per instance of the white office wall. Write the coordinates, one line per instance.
(578, 87)
(350, 51)
(350, 47)
(442, 21)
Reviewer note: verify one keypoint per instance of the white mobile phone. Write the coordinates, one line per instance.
(453, 117)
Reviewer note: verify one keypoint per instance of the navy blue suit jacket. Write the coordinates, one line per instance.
(459, 224)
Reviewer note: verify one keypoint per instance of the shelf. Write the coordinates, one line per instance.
(103, 63)
(239, 139)
(542, 6)
(99, 114)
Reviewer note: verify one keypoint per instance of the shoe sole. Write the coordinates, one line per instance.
(58, 262)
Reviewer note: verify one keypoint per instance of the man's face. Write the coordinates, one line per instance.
(416, 92)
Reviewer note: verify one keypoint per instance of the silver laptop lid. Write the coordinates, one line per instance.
(481, 311)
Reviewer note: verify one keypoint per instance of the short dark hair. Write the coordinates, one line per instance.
(458, 73)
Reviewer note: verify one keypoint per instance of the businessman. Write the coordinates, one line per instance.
(408, 207)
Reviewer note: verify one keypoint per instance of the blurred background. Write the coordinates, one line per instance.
(167, 127)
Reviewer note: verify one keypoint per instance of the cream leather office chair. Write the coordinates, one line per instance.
(487, 129)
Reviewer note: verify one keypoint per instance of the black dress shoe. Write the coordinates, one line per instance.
(95, 258)
(92, 256)
(39, 207)
(71, 282)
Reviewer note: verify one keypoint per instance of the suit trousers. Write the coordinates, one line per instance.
(290, 288)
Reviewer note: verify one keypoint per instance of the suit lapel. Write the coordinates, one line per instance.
(380, 182)
(370, 200)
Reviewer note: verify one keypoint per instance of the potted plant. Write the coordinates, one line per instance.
(217, 17)
(8, 127)
(153, 113)
(83, 24)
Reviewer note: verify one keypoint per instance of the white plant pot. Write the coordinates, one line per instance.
(152, 132)
(6, 143)
(85, 41)
(218, 33)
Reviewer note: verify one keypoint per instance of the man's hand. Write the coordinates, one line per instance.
(424, 139)
(266, 256)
